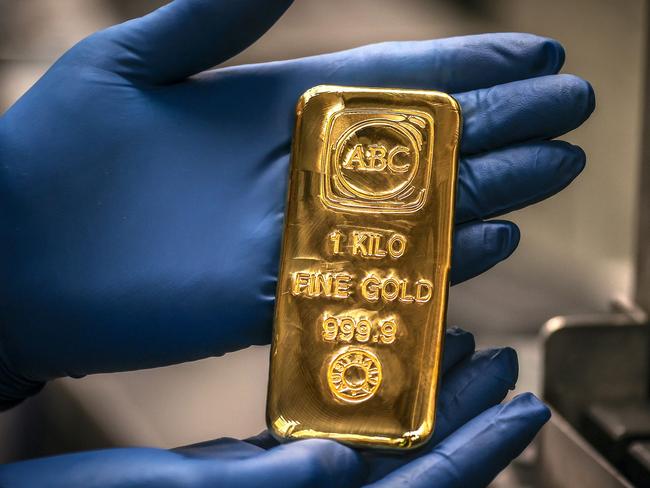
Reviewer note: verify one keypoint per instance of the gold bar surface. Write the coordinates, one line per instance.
(364, 273)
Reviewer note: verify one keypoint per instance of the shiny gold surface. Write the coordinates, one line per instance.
(362, 289)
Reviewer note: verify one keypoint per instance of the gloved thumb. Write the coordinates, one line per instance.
(182, 38)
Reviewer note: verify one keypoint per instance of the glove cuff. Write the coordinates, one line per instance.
(13, 387)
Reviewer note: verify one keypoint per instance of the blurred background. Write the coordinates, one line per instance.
(577, 251)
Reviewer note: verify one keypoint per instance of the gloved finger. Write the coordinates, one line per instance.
(110, 468)
(453, 65)
(181, 38)
(476, 384)
(303, 464)
(539, 108)
(480, 245)
(479, 382)
(309, 463)
(474, 454)
(508, 179)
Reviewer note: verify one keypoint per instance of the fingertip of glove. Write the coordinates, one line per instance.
(591, 97)
(553, 53)
(577, 160)
(563, 162)
(579, 95)
(507, 237)
(481, 245)
(511, 361)
(548, 54)
(529, 406)
(503, 364)
(589, 94)
(580, 155)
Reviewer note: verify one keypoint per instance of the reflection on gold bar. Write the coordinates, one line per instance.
(362, 289)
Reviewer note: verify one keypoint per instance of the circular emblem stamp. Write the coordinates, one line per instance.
(354, 375)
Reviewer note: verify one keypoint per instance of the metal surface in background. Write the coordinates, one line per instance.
(594, 358)
(566, 460)
(364, 274)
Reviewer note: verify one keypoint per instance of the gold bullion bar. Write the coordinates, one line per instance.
(364, 273)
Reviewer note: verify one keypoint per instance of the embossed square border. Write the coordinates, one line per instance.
(331, 201)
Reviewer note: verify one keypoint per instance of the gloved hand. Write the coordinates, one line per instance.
(141, 204)
(473, 441)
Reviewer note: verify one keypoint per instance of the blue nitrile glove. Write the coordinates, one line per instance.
(141, 210)
(473, 441)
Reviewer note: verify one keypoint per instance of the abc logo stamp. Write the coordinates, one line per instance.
(377, 161)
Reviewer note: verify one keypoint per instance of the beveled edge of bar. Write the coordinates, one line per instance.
(432, 95)
(405, 442)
